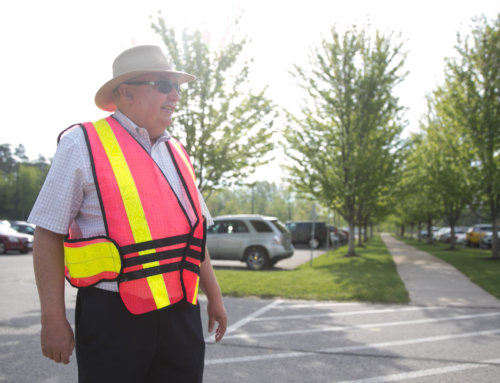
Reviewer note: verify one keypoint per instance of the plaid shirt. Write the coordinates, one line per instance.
(68, 198)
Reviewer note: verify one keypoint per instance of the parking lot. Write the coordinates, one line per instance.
(285, 341)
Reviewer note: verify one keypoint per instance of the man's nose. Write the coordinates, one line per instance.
(174, 95)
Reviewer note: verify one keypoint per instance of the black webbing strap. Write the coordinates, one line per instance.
(192, 267)
(149, 272)
(193, 254)
(197, 242)
(153, 257)
(154, 244)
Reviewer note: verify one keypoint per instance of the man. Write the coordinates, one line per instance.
(120, 217)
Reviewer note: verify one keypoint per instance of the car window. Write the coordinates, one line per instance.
(232, 227)
(291, 226)
(27, 229)
(15, 227)
(280, 226)
(261, 227)
(214, 229)
(486, 228)
(303, 226)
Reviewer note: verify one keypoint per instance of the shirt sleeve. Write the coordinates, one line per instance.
(62, 193)
(204, 210)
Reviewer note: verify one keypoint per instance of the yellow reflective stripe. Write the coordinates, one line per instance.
(183, 156)
(126, 184)
(93, 259)
(196, 291)
(133, 205)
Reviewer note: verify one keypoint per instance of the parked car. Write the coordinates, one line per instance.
(425, 234)
(255, 239)
(487, 240)
(23, 227)
(337, 234)
(476, 232)
(13, 240)
(461, 239)
(445, 235)
(302, 233)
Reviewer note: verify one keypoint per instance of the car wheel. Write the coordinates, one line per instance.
(24, 251)
(314, 243)
(3, 248)
(256, 258)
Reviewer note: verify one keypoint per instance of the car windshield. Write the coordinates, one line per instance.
(7, 230)
(280, 226)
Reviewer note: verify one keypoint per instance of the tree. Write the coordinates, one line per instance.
(447, 159)
(473, 81)
(20, 181)
(343, 147)
(226, 130)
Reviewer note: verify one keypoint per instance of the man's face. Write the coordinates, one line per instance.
(152, 110)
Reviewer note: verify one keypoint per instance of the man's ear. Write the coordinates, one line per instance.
(125, 93)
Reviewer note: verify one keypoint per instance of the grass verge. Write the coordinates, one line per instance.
(370, 277)
(468, 260)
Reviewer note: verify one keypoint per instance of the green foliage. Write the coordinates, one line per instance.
(346, 149)
(225, 129)
(372, 277)
(473, 84)
(20, 182)
(267, 199)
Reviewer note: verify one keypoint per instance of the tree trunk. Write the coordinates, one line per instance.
(411, 230)
(360, 238)
(365, 234)
(402, 230)
(452, 237)
(419, 230)
(429, 231)
(494, 238)
(371, 230)
(350, 240)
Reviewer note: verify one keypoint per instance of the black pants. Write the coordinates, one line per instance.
(113, 345)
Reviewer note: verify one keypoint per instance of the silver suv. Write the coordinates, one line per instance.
(257, 240)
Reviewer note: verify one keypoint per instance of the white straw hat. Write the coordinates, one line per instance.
(132, 63)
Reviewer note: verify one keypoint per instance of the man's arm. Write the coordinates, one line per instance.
(57, 339)
(215, 307)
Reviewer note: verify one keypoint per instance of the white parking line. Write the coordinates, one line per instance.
(311, 305)
(245, 320)
(349, 313)
(422, 373)
(344, 328)
(350, 348)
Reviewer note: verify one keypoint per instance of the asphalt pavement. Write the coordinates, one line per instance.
(287, 341)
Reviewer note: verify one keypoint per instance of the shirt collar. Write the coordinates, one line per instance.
(135, 129)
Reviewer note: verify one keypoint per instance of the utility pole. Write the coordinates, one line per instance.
(313, 240)
(253, 199)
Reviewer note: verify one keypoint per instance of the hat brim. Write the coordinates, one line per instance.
(104, 96)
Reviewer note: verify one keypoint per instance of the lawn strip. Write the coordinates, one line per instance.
(371, 277)
(470, 261)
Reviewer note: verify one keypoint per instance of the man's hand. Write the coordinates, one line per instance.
(57, 339)
(215, 307)
(217, 313)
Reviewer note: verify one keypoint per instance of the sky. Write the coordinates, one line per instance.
(57, 54)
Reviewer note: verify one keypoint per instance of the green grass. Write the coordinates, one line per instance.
(469, 261)
(371, 277)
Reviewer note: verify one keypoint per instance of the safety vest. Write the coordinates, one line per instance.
(151, 247)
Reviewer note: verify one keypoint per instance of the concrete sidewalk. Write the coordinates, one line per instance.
(433, 282)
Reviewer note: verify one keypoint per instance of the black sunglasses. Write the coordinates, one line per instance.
(164, 86)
